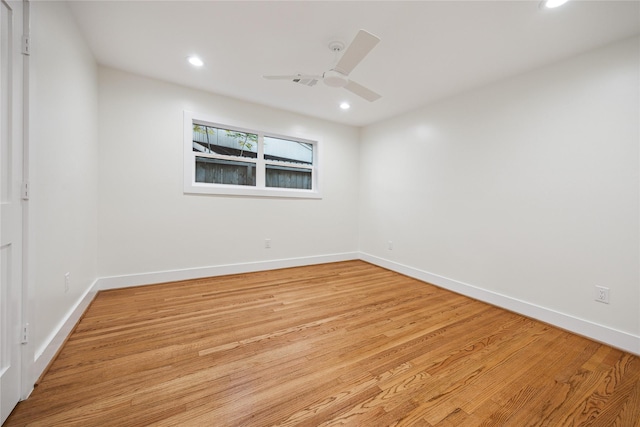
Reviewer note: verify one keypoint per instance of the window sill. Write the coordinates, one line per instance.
(243, 191)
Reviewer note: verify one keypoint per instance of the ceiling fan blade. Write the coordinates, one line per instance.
(303, 79)
(361, 91)
(296, 76)
(357, 50)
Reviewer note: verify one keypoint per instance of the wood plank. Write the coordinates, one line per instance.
(344, 343)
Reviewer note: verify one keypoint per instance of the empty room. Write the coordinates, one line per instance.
(318, 213)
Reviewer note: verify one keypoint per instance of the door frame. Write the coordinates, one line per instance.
(27, 350)
(19, 49)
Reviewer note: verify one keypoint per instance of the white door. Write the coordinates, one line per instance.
(10, 205)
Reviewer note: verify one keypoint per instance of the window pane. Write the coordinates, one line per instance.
(284, 150)
(208, 139)
(217, 171)
(283, 177)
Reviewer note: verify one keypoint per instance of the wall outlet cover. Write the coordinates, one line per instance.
(602, 294)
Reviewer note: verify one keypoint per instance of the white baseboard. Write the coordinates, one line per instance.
(594, 331)
(125, 281)
(45, 354)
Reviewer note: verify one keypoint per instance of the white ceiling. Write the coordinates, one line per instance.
(429, 50)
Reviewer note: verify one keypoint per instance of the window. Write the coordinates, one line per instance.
(225, 159)
(224, 156)
(289, 163)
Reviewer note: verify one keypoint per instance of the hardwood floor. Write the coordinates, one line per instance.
(336, 344)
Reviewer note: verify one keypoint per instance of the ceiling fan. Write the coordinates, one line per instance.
(338, 76)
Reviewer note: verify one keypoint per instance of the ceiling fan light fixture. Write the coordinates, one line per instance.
(335, 78)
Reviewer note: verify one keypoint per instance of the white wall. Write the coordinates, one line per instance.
(526, 189)
(63, 171)
(147, 224)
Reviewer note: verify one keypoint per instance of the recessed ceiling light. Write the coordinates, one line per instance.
(195, 61)
(345, 105)
(550, 4)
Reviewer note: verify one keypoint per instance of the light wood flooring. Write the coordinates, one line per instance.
(335, 344)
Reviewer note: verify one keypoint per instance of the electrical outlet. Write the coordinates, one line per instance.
(602, 294)
(67, 282)
(267, 243)
(390, 245)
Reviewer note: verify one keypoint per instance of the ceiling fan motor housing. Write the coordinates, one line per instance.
(335, 78)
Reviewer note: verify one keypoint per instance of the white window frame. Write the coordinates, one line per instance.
(260, 189)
